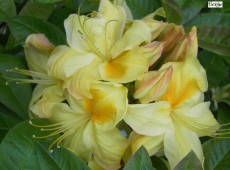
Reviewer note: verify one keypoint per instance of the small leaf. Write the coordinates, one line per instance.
(14, 96)
(159, 163)
(213, 32)
(19, 150)
(86, 5)
(47, 1)
(7, 9)
(189, 162)
(37, 10)
(141, 9)
(215, 67)
(217, 154)
(180, 12)
(139, 161)
(23, 26)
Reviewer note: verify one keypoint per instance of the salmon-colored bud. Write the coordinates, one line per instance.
(170, 36)
(152, 51)
(153, 85)
(40, 42)
(186, 47)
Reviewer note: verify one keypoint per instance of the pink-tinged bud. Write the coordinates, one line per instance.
(186, 47)
(39, 42)
(153, 85)
(170, 36)
(152, 51)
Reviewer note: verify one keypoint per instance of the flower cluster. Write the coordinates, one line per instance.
(117, 73)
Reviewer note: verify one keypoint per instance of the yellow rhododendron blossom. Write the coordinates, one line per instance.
(120, 53)
(178, 117)
(88, 126)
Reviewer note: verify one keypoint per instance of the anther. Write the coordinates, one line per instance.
(42, 129)
(34, 136)
(58, 146)
(6, 83)
(30, 122)
(51, 151)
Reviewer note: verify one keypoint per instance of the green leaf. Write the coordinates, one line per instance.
(14, 96)
(23, 26)
(217, 154)
(159, 163)
(19, 150)
(141, 9)
(7, 9)
(215, 67)
(189, 162)
(86, 5)
(223, 115)
(47, 1)
(37, 10)
(139, 161)
(213, 32)
(180, 12)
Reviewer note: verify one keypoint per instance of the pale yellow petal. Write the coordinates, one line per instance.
(151, 143)
(129, 16)
(93, 165)
(108, 104)
(152, 85)
(179, 142)
(198, 119)
(138, 33)
(74, 32)
(127, 67)
(44, 100)
(149, 119)
(109, 148)
(79, 84)
(65, 61)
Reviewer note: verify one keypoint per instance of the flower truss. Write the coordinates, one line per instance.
(116, 72)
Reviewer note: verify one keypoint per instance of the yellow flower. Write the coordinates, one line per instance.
(177, 118)
(88, 126)
(120, 53)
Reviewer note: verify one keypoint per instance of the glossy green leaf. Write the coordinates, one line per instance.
(19, 150)
(37, 10)
(213, 31)
(180, 12)
(223, 115)
(7, 9)
(159, 163)
(217, 154)
(141, 9)
(189, 162)
(23, 26)
(47, 1)
(14, 96)
(139, 161)
(86, 5)
(215, 67)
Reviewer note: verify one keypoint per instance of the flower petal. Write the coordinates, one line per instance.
(179, 142)
(151, 143)
(127, 67)
(65, 61)
(44, 98)
(198, 119)
(108, 104)
(138, 33)
(149, 119)
(152, 85)
(109, 148)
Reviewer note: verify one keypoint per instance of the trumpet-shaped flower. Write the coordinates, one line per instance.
(88, 126)
(178, 117)
(120, 55)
